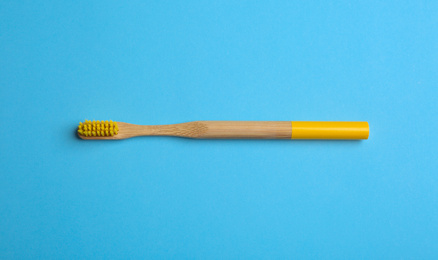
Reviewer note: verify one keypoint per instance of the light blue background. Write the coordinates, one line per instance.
(169, 62)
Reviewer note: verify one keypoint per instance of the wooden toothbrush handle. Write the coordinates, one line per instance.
(279, 130)
(245, 129)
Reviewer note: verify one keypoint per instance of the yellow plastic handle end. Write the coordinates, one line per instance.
(329, 130)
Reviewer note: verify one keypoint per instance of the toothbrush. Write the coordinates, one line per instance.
(109, 130)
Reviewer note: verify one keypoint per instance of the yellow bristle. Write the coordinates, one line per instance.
(98, 128)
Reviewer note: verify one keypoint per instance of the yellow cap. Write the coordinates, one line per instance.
(329, 130)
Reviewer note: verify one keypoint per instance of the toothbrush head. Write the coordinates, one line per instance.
(98, 128)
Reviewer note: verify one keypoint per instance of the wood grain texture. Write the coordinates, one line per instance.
(247, 129)
(206, 129)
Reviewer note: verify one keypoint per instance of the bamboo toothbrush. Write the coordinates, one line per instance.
(109, 130)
